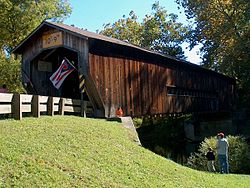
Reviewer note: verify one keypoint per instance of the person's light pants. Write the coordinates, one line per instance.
(210, 166)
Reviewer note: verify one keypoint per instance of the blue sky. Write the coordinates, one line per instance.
(92, 14)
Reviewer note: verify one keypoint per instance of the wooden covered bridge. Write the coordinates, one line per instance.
(113, 73)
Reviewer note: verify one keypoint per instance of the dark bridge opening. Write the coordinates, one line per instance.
(45, 64)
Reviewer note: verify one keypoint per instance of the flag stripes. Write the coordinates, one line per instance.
(61, 74)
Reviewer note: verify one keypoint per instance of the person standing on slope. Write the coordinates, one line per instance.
(222, 151)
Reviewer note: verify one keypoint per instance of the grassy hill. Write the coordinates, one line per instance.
(76, 152)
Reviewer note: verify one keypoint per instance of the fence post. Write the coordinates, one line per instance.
(35, 106)
(61, 106)
(83, 108)
(50, 106)
(16, 107)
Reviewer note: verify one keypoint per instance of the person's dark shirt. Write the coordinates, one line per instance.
(210, 156)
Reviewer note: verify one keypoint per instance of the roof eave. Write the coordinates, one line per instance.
(17, 50)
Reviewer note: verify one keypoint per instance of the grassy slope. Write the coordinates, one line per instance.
(76, 152)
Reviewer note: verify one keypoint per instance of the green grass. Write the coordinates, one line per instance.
(76, 152)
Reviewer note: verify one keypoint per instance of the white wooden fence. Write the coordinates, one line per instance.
(17, 104)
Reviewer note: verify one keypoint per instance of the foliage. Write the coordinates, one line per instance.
(158, 31)
(10, 74)
(223, 28)
(137, 122)
(68, 151)
(127, 29)
(20, 17)
(239, 155)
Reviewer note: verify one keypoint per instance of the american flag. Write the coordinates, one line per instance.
(62, 72)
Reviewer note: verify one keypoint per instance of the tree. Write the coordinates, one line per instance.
(20, 17)
(223, 28)
(158, 31)
(126, 29)
(10, 74)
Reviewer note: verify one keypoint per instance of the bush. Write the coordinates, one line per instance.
(137, 122)
(239, 155)
(10, 74)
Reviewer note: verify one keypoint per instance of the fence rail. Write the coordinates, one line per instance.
(17, 104)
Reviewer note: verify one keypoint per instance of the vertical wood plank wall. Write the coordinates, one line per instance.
(140, 88)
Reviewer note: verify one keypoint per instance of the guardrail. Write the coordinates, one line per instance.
(17, 104)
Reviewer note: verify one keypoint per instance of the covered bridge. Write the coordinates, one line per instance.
(113, 73)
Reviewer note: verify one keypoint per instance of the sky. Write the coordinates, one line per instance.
(93, 14)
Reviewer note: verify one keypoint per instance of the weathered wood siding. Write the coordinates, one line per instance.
(142, 88)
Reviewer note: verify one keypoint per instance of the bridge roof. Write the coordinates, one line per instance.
(91, 35)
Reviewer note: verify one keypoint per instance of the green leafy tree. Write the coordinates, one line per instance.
(10, 74)
(127, 29)
(223, 28)
(158, 31)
